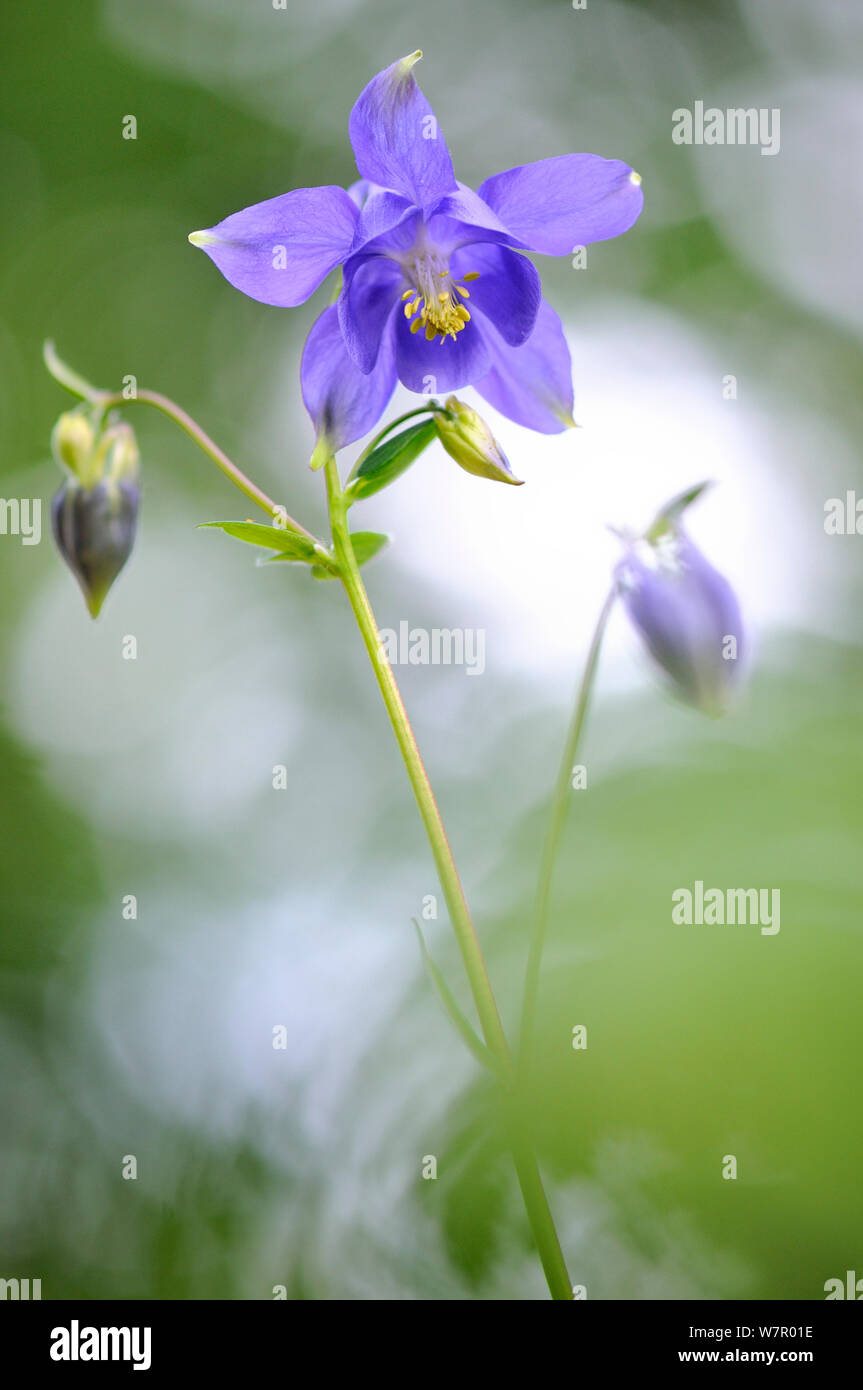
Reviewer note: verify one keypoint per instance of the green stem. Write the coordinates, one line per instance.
(105, 400)
(559, 804)
(527, 1169)
(219, 458)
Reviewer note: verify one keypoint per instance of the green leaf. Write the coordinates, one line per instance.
(366, 546)
(447, 998)
(290, 544)
(671, 513)
(390, 459)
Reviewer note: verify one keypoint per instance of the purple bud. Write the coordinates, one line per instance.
(95, 512)
(95, 530)
(688, 615)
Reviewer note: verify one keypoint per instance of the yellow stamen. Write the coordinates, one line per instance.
(441, 313)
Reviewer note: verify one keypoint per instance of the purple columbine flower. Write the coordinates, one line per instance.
(435, 292)
(688, 615)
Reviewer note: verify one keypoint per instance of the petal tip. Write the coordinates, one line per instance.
(202, 239)
(634, 178)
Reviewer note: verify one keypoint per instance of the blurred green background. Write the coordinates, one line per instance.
(257, 908)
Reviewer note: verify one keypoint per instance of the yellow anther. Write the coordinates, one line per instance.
(441, 312)
(471, 275)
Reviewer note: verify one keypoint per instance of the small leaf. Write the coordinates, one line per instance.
(390, 459)
(65, 375)
(290, 544)
(671, 513)
(447, 998)
(367, 544)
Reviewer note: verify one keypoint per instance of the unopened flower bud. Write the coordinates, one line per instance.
(94, 514)
(468, 439)
(688, 615)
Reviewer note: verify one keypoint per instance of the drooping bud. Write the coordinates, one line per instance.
(468, 439)
(687, 614)
(94, 514)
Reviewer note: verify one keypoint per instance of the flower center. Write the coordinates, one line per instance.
(434, 301)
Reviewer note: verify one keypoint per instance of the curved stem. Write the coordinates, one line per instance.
(527, 1169)
(105, 400)
(560, 801)
(212, 450)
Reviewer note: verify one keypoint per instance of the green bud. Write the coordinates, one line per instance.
(72, 442)
(468, 439)
(94, 514)
(116, 458)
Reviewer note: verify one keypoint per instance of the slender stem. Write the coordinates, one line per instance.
(527, 1169)
(212, 450)
(557, 815)
(105, 400)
